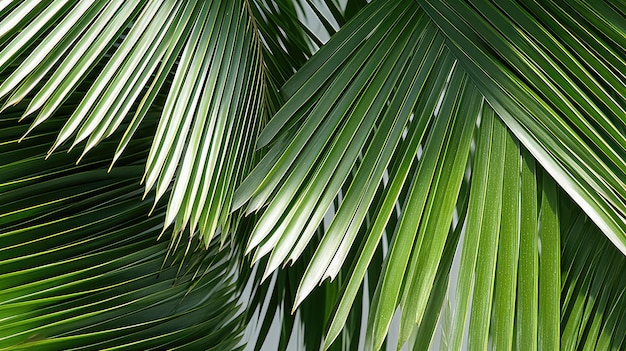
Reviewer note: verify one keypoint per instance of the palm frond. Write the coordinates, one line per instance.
(593, 287)
(112, 59)
(391, 103)
(429, 159)
(559, 90)
(80, 267)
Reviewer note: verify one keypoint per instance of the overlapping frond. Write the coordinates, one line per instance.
(111, 60)
(80, 267)
(554, 72)
(382, 118)
(421, 132)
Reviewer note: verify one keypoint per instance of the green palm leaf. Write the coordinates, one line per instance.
(464, 157)
(389, 87)
(568, 111)
(592, 288)
(80, 267)
(125, 53)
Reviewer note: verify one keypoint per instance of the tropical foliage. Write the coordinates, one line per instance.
(180, 174)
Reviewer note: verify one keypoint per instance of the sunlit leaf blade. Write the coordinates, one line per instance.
(549, 266)
(528, 272)
(506, 292)
(310, 164)
(123, 54)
